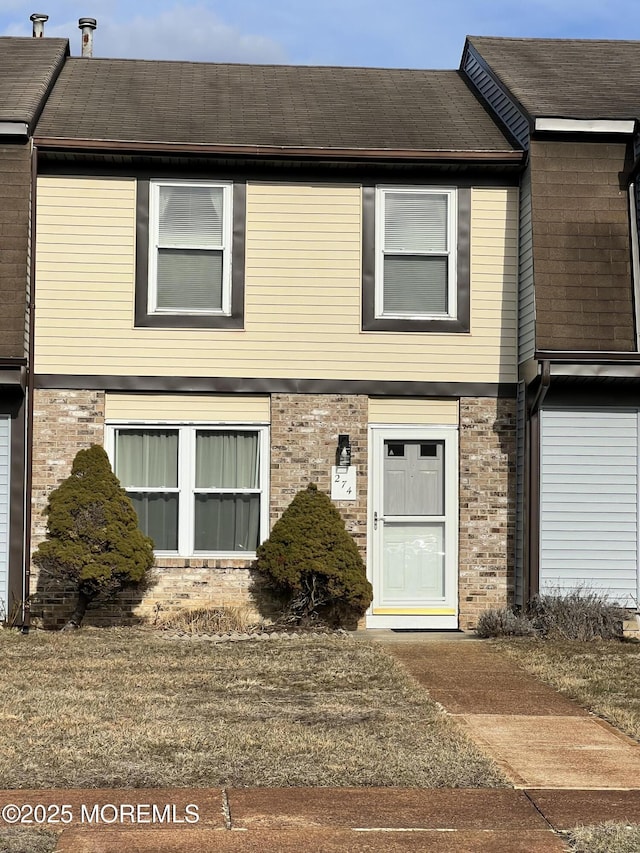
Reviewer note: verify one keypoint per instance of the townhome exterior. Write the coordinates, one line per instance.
(28, 68)
(573, 105)
(240, 269)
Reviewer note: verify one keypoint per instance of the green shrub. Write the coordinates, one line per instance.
(579, 614)
(503, 622)
(313, 562)
(93, 540)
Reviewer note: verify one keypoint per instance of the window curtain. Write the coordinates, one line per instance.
(227, 460)
(150, 460)
(227, 522)
(147, 458)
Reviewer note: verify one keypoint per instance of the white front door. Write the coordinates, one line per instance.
(414, 528)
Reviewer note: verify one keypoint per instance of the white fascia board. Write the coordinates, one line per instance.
(14, 128)
(611, 371)
(584, 125)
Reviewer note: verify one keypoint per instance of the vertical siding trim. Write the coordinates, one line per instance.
(5, 512)
(520, 502)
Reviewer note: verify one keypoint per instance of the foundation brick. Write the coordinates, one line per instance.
(487, 506)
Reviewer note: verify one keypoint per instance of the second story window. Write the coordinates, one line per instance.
(190, 253)
(189, 249)
(415, 258)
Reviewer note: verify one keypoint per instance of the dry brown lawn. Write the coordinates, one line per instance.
(606, 838)
(603, 676)
(128, 708)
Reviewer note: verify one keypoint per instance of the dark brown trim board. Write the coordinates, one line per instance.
(12, 403)
(258, 385)
(458, 324)
(533, 549)
(190, 321)
(114, 145)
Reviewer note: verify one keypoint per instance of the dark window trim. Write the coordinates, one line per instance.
(371, 323)
(190, 321)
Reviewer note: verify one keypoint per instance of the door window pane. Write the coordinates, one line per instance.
(414, 483)
(413, 560)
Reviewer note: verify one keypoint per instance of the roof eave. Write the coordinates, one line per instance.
(154, 147)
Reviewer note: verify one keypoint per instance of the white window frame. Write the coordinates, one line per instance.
(451, 253)
(186, 479)
(225, 248)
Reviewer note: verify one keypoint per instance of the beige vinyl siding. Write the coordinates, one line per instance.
(303, 283)
(186, 408)
(411, 411)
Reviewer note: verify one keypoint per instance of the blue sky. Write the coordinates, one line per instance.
(403, 33)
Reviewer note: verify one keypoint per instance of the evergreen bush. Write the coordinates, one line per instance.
(312, 561)
(93, 540)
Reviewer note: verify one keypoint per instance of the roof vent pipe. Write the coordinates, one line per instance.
(38, 24)
(87, 25)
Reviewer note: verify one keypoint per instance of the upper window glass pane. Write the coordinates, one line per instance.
(227, 460)
(416, 222)
(191, 216)
(147, 459)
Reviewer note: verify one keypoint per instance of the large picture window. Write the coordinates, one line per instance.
(190, 254)
(197, 490)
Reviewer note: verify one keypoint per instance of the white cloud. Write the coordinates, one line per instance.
(191, 33)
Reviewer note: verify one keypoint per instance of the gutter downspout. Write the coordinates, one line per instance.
(545, 382)
(26, 612)
(532, 579)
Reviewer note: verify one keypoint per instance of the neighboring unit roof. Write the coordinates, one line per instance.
(567, 78)
(28, 67)
(268, 106)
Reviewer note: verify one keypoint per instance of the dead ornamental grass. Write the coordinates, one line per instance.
(20, 840)
(607, 837)
(125, 708)
(603, 676)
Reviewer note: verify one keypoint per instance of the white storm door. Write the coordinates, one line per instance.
(414, 528)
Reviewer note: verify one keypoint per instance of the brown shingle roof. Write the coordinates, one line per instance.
(264, 105)
(27, 70)
(567, 78)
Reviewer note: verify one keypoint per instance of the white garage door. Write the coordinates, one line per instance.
(589, 502)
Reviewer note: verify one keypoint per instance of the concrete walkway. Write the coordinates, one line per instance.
(539, 738)
(330, 820)
(568, 768)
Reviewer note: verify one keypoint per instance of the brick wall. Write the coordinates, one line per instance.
(68, 421)
(304, 437)
(487, 505)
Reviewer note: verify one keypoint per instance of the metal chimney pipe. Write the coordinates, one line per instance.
(38, 24)
(87, 25)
